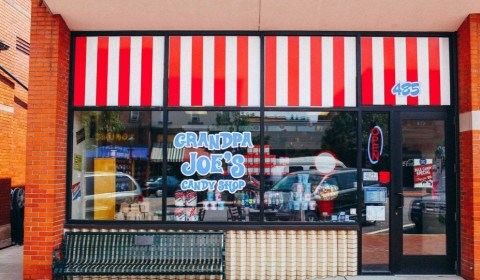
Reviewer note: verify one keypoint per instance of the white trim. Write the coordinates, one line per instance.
(6, 108)
(469, 121)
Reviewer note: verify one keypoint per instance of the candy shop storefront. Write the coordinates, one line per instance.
(318, 153)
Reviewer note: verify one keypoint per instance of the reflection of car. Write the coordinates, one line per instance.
(344, 199)
(155, 186)
(126, 190)
(428, 214)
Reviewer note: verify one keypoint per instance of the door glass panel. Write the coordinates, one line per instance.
(423, 176)
(376, 186)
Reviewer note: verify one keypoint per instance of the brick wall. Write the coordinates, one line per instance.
(14, 23)
(46, 141)
(469, 101)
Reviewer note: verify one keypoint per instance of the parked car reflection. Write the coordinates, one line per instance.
(339, 189)
(127, 190)
(428, 214)
(155, 186)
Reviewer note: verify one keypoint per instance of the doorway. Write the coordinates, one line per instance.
(417, 234)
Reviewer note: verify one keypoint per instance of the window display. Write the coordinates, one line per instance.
(206, 166)
(310, 171)
(216, 178)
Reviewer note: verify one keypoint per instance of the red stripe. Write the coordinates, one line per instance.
(219, 72)
(338, 72)
(147, 62)
(367, 71)
(197, 71)
(270, 70)
(389, 69)
(124, 72)
(412, 70)
(102, 71)
(174, 72)
(80, 71)
(242, 71)
(316, 71)
(434, 70)
(293, 71)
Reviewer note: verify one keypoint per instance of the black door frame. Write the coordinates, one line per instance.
(400, 264)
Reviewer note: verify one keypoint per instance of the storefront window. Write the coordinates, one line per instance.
(212, 162)
(310, 166)
(215, 180)
(111, 167)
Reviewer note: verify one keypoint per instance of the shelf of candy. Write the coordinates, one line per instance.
(272, 166)
(214, 201)
(300, 198)
(247, 200)
(185, 206)
(136, 212)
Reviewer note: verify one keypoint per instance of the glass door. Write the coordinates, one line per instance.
(422, 197)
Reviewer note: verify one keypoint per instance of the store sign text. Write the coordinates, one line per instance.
(375, 144)
(212, 164)
(406, 89)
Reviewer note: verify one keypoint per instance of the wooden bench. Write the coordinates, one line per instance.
(140, 253)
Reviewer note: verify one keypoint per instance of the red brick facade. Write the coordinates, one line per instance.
(469, 100)
(46, 141)
(14, 25)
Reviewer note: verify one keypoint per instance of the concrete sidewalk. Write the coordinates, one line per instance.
(11, 268)
(11, 263)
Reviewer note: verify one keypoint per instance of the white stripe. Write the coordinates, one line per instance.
(327, 71)
(350, 72)
(469, 121)
(444, 71)
(208, 70)
(157, 70)
(135, 70)
(378, 67)
(253, 71)
(91, 72)
(282, 71)
(400, 66)
(113, 66)
(423, 69)
(304, 86)
(231, 71)
(185, 70)
(5, 108)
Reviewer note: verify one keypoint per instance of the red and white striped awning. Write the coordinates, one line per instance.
(310, 71)
(119, 71)
(300, 71)
(214, 71)
(393, 64)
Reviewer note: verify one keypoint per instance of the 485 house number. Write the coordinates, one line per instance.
(406, 89)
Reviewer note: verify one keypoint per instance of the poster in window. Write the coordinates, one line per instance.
(422, 173)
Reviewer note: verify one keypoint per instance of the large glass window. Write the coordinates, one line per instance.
(206, 166)
(112, 176)
(310, 166)
(217, 178)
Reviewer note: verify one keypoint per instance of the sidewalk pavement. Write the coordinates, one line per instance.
(11, 263)
(11, 268)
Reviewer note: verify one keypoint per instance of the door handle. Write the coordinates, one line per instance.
(402, 200)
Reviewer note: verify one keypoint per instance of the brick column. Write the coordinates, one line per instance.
(469, 103)
(46, 141)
